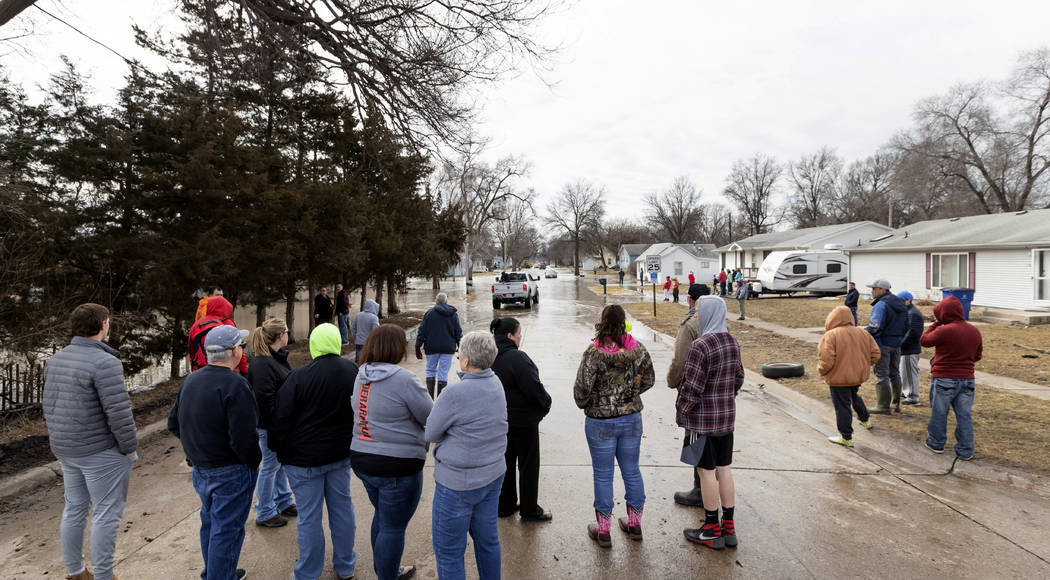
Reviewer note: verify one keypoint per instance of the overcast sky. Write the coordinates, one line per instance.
(647, 91)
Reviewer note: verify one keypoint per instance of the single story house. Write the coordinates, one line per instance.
(678, 260)
(594, 261)
(628, 254)
(748, 253)
(1004, 257)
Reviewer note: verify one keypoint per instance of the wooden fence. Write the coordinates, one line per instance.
(21, 387)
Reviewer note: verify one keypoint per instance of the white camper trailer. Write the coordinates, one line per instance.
(802, 271)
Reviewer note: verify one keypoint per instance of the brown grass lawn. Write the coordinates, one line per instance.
(1009, 427)
(1001, 355)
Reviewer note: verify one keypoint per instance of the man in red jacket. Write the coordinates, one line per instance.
(218, 312)
(958, 347)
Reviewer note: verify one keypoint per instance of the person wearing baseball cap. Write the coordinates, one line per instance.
(688, 331)
(215, 418)
(888, 323)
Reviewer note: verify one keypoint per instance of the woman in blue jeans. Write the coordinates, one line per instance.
(388, 450)
(468, 427)
(615, 370)
(267, 369)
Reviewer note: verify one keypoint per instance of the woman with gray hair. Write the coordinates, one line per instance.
(468, 427)
(439, 335)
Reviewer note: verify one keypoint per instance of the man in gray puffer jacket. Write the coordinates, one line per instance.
(92, 432)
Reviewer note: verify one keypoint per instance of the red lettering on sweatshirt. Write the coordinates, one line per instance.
(362, 412)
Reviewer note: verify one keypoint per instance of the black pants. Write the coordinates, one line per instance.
(523, 452)
(843, 398)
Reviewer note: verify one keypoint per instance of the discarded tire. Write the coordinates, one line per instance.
(782, 370)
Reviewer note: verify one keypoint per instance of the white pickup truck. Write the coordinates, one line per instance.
(511, 287)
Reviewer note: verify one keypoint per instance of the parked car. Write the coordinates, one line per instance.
(515, 287)
(550, 273)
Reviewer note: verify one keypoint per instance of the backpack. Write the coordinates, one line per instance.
(197, 333)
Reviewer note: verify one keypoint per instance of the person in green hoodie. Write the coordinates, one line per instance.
(311, 431)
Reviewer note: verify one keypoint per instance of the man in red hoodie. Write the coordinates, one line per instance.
(958, 347)
(218, 311)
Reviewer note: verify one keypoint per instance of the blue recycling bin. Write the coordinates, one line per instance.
(965, 295)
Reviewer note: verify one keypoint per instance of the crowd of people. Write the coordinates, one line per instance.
(292, 437)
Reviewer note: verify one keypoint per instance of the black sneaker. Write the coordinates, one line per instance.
(934, 449)
(729, 533)
(240, 574)
(710, 535)
(274, 522)
(690, 498)
(963, 457)
(290, 511)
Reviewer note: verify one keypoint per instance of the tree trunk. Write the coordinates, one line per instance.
(175, 350)
(310, 303)
(391, 297)
(260, 314)
(436, 283)
(289, 310)
(379, 295)
(364, 296)
(469, 261)
(576, 256)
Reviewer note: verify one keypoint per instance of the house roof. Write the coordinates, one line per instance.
(699, 251)
(1000, 230)
(791, 239)
(634, 250)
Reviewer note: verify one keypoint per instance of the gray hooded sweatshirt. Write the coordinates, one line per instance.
(711, 315)
(365, 322)
(391, 406)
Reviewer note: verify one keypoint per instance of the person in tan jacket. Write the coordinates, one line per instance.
(846, 354)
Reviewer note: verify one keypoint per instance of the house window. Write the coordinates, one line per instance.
(1041, 273)
(949, 270)
(798, 269)
(705, 265)
(834, 268)
(677, 268)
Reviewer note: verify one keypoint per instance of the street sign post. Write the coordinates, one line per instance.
(652, 265)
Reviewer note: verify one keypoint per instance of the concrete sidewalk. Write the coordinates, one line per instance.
(813, 335)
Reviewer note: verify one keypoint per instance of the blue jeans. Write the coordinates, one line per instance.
(438, 365)
(618, 439)
(395, 500)
(454, 514)
(272, 492)
(99, 480)
(957, 394)
(314, 487)
(226, 500)
(853, 310)
(344, 327)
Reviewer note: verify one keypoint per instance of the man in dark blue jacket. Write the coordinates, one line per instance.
(911, 350)
(888, 324)
(215, 418)
(852, 298)
(439, 336)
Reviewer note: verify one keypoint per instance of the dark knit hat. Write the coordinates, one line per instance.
(698, 290)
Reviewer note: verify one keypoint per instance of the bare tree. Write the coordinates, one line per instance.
(751, 185)
(482, 191)
(579, 206)
(624, 231)
(993, 139)
(676, 212)
(514, 229)
(813, 179)
(864, 191)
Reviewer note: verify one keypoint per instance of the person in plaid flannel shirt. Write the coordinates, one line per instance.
(706, 408)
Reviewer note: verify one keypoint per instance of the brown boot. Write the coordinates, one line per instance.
(632, 524)
(599, 532)
(85, 575)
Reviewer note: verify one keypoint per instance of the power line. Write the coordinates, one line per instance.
(127, 60)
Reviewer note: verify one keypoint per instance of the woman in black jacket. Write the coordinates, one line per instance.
(267, 369)
(527, 404)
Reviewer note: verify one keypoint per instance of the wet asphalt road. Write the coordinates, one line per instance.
(805, 509)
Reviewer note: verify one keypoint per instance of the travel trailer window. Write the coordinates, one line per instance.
(949, 270)
(834, 268)
(798, 269)
(1041, 273)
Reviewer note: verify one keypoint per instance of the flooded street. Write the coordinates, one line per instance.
(805, 509)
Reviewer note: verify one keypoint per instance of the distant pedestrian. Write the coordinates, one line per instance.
(312, 429)
(267, 368)
(215, 418)
(845, 355)
(692, 278)
(322, 307)
(674, 289)
(202, 304)
(722, 277)
(706, 407)
(887, 323)
(621, 274)
(468, 427)
(92, 433)
(364, 323)
(614, 372)
(741, 299)
(438, 334)
(688, 331)
(958, 346)
(911, 350)
(389, 450)
(527, 404)
(738, 276)
(667, 289)
(342, 312)
(852, 298)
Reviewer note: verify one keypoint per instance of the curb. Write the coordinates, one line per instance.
(36, 477)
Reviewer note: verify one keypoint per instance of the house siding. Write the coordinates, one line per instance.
(905, 271)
